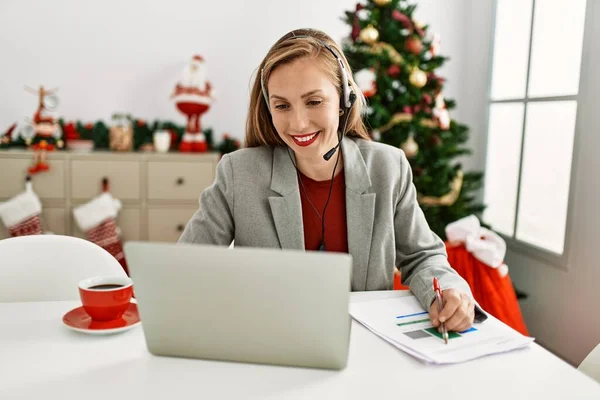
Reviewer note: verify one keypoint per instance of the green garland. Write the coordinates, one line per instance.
(143, 132)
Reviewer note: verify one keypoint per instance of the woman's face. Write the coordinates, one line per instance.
(305, 107)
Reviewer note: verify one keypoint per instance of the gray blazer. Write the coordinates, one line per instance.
(255, 200)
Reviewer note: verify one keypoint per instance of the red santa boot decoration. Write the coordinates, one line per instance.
(21, 214)
(193, 97)
(97, 218)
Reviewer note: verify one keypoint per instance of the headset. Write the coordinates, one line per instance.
(347, 99)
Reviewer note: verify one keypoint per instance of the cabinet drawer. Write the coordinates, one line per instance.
(167, 224)
(128, 221)
(53, 220)
(179, 180)
(47, 185)
(123, 176)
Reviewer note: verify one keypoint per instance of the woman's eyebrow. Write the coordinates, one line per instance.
(274, 96)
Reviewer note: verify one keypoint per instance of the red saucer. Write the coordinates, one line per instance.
(78, 320)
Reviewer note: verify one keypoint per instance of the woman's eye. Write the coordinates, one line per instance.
(314, 102)
(280, 106)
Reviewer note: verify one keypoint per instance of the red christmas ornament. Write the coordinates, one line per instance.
(141, 123)
(427, 99)
(394, 70)
(407, 110)
(414, 45)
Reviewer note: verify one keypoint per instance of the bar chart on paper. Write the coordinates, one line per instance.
(418, 326)
(403, 323)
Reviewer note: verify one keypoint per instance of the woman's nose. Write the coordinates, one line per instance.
(299, 121)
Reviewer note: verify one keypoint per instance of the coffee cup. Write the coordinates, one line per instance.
(106, 298)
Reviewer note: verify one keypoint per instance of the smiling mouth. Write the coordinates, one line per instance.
(306, 140)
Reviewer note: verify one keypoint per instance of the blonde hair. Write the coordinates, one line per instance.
(307, 43)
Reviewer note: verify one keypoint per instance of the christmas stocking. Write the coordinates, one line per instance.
(21, 214)
(97, 219)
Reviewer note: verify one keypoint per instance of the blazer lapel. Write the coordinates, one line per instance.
(360, 212)
(286, 208)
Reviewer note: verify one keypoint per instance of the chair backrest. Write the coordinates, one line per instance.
(591, 365)
(49, 267)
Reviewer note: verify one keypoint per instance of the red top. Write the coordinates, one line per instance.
(336, 236)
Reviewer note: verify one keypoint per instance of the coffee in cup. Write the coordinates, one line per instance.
(106, 298)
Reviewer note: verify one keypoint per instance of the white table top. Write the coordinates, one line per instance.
(40, 358)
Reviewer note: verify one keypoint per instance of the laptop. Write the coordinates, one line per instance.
(267, 306)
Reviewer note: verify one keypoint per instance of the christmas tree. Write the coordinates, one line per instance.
(394, 59)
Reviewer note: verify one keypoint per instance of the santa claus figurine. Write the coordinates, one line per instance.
(193, 97)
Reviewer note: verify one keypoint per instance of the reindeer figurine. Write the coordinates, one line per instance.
(46, 130)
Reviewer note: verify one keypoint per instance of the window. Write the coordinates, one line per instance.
(534, 91)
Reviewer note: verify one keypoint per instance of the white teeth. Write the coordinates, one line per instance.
(306, 138)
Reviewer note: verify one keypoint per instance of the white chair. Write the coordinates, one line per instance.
(48, 267)
(591, 365)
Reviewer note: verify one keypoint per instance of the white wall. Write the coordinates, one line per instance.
(115, 56)
(478, 22)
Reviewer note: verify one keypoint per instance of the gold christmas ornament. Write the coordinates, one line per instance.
(369, 35)
(382, 3)
(418, 78)
(449, 198)
(410, 147)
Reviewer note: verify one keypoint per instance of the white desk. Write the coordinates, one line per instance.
(41, 359)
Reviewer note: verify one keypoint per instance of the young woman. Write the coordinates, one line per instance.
(310, 178)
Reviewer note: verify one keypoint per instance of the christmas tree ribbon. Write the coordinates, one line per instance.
(449, 198)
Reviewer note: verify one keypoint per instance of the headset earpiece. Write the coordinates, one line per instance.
(352, 98)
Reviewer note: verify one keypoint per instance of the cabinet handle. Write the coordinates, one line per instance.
(180, 181)
(180, 228)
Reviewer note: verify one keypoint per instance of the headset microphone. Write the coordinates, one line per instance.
(330, 153)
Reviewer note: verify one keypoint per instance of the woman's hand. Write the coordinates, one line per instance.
(458, 311)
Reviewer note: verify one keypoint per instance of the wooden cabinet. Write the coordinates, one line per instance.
(159, 192)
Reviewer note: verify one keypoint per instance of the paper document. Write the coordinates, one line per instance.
(403, 323)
